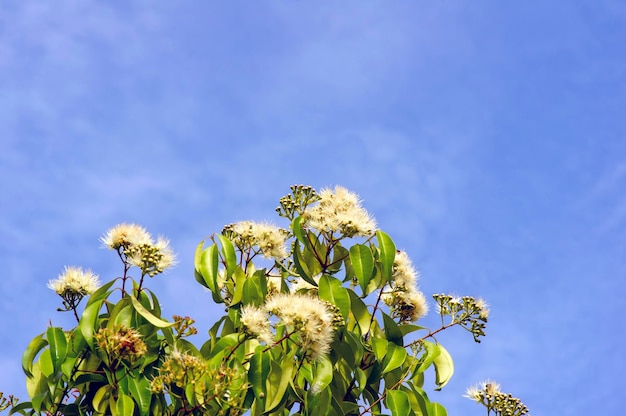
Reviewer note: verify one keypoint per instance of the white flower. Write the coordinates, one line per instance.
(340, 211)
(256, 321)
(271, 240)
(124, 235)
(75, 281)
(308, 316)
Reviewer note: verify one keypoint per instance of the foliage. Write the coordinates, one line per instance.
(317, 321)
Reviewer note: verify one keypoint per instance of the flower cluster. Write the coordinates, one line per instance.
(139, 249)
(406, 302)
(489, 395)
(120, 343)
(469, 312)
(269, 239)
(340, 211)
(310, 320)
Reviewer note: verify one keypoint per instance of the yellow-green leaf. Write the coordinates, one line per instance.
(154, 320)
(444, 367)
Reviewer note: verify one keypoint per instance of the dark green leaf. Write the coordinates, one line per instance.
(392, 330)
(362, 261)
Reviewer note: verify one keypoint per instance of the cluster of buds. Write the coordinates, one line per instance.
(467, 311)
(6, 402)
(120, 343)
(183, 326)
(180, 370)
(294, 204)
(502, 404)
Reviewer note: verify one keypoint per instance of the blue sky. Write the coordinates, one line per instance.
(487, 138)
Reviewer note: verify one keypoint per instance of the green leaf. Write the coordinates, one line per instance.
(87, 322)
(394, 358)
(398, 402)
(45, 361)
(101, 399)
(422, 401)
(228, 251)
(209, 263)
(240, 280)
(387, 251)
(427, 358)
(101, 293)
(437, 410)
(125, 405)
(323, 373)
(298, 231)
(58, 346)
(277, 382)
(301, 266)
(154, 320)
(122, 313)
(254, 289)
(331, 290)
(139, 389)
(360, 312)
(31, 352)
(392, 330)
(197, 261)
(380, 347)
(362, 261)
(259, 370)
(444, 367)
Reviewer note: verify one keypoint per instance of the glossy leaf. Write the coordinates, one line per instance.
(397, 402)
(125, 405)
(36, 345)
(209, 263)
(278, 380)
(154, 320)
(228, 251)
(323, 373)
(58, 346)
(437, 410)
(331, 290)
(362, 261)
(298, 231)
(360, 312)
(88, 321)
(392, 330)
(387, 251)
(258, 372)
(394, 358)
(444, 367)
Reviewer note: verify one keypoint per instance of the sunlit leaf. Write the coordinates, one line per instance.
(331, 290)
(154, 320)
(398, 403)
(394, 358)
(387, 250)
(58, 346)
(444, 367)
(31, 352)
